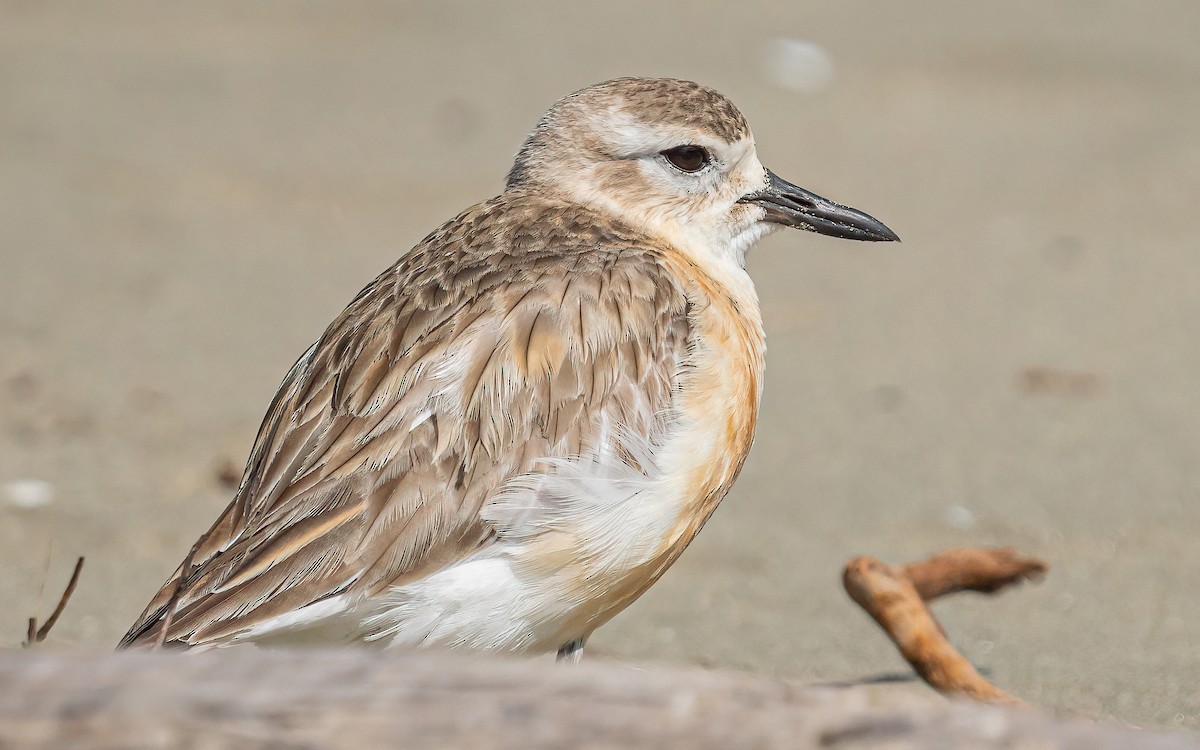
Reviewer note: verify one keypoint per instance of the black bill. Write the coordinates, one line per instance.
(794, 206)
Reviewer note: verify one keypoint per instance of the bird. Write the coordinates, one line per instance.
(511, 433)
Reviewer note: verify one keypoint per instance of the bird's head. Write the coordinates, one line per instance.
(676, 159)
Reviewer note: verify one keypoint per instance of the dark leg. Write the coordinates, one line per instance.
(571, 652)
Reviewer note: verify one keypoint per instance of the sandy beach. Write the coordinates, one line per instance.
(190, 192)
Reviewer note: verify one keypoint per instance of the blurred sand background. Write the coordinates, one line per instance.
(189, 192)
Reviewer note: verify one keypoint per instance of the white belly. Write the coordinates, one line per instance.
(553, 569)
(577, 546)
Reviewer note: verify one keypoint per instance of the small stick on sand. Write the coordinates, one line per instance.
(36, 634)
(896, 598)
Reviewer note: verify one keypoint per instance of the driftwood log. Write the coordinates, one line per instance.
(896, 597)
(252, 699)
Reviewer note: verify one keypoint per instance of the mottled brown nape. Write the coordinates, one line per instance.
(652, 101)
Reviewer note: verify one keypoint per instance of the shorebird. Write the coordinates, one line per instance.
(510, 434)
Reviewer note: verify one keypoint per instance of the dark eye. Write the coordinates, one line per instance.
(687, 158)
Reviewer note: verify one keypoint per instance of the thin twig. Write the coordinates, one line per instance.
(36, 634)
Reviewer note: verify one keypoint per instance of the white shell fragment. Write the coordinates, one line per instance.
(797, 65)
(28, 493)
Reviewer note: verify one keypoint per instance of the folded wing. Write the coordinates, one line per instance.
(485, 351)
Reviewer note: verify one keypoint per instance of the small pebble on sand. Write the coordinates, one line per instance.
(28, 493)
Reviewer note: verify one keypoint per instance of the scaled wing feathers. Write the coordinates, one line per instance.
(487, 350)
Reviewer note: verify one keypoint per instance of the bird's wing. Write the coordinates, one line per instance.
(451, 374)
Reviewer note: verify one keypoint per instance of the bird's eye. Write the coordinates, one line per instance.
(687, 158)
